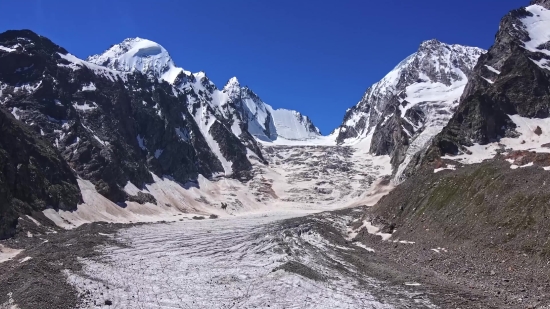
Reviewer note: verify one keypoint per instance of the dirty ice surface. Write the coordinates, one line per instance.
(299, 179)
(232, 261)
(228, 263)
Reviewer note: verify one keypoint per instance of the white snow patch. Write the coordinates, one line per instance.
(15, 113)
(158, 153)
(527, 140)
(89, 87)
(7, 49)
(29, 88)
(542, 63)
(87, 106)
(371, 229)
(26, 259)
(7, 254)
(141, 142)
(449, 167)
(538, 27)
(405, 242)
(33, 220)
(361, 245)
(492, 69)
(439, 250)
(102, 142)
(514, 167)
(10, 304)
(488, 80)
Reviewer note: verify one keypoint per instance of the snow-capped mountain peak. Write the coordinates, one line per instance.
(436, 67)
(232, 86)
(402, 112)
(234, 104)
(232, 82)
(137, 54)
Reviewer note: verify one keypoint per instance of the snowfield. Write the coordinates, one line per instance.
(527, 140)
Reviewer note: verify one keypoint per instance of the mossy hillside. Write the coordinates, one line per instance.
(486, 204)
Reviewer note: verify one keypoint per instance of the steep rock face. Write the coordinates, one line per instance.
(544, 3)
(261, 120)
(33, 175)
(205, 102)
(235, 106)
(111, 127)
(513, 78)
(411, 104)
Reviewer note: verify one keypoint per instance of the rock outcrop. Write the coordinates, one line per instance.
(33, 177)
(513, 78)
(111, 127)
(409, 106)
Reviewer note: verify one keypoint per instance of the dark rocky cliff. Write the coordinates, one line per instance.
(109, 127)
(508, 80)
(33, 175)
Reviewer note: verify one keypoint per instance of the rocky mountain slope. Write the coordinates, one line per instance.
(483, 226)
(506, 103)
(129, 116)
(33, 175)
(483, 181)
(411, 104)
(113, 127)
(239, 107)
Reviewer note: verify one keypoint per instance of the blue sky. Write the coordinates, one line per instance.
(317, 57)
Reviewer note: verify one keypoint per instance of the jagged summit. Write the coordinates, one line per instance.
(432, 42)
(401, 113)
(236, 106)
(232, 83)
(434, 63)
(507, 96)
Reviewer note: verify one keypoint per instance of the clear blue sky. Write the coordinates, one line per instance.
(317, 57)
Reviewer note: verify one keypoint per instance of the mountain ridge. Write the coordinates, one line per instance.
(241, 108)
(508, 90)
(400, 114)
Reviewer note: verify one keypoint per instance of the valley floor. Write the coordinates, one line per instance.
(256, 261)
(247, 262)
(281, 243)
